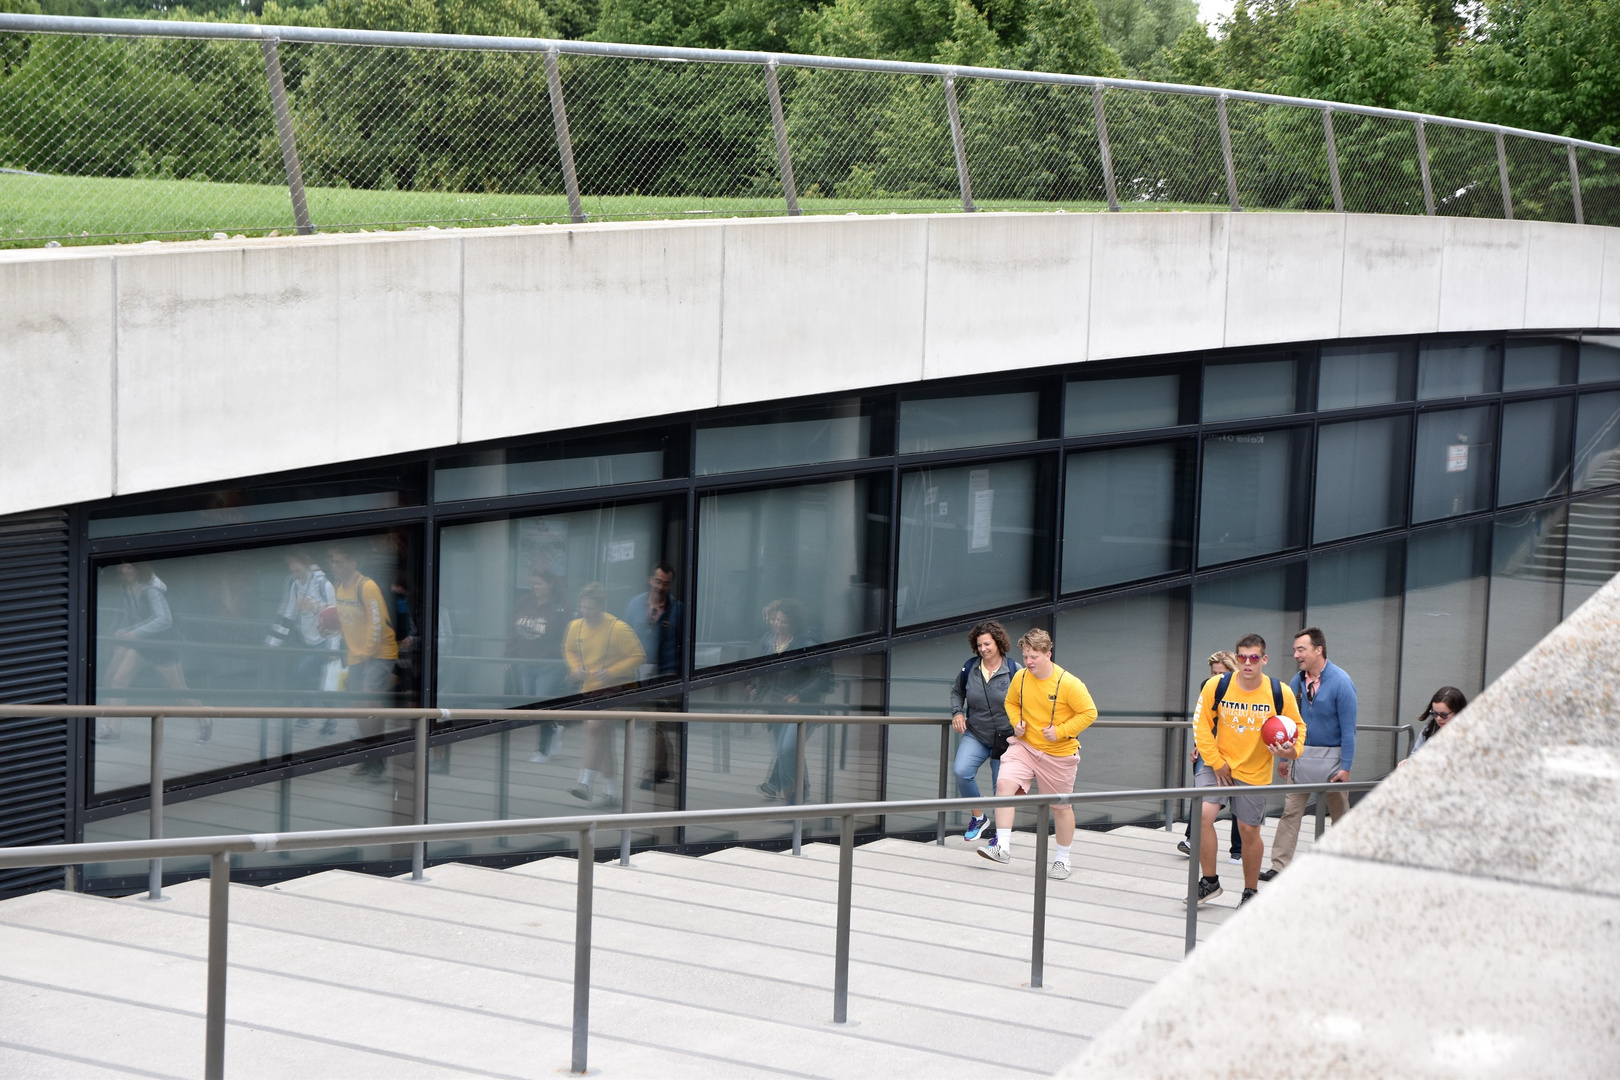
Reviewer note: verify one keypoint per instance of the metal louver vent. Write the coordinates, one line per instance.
(34, 754)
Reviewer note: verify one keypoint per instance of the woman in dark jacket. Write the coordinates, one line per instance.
(979, 714)
(786, 689)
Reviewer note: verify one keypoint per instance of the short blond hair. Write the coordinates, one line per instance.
(1036, 641)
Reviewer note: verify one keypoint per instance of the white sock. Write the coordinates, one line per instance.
(587, 777)
(1062, 853)
(1004, 839)
(612, 788)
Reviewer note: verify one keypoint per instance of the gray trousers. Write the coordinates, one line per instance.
(1314, 766)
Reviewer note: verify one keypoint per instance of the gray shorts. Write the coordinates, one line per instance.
(1249, 809)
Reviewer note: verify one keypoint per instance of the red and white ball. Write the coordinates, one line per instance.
(1278, 731)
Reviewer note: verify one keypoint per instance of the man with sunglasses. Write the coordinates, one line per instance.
(1232, 710)
(1327, 697)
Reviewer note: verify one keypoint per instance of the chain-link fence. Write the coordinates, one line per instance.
(129, 130)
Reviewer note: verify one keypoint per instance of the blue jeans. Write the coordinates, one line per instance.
(970, 754)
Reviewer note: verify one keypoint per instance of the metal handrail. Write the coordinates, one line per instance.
(219, 850)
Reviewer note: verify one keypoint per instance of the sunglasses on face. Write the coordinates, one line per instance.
(1439, 715)
(1250, 658)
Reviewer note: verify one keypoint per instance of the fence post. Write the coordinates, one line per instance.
(565, 144)
(219, 901)
(798, 785)
(419, 777)
(624, 788)
(1575, 184)
(944, 771)
(949, 80)
(846, 888)
(1037, 943)
(1502, 174)
(1102, 145)
(1333, 160)
(784, 159)
(1423, 167)
(154, 867)
(1226, 153)
(582, 948)
(284, 132)
(1321, 815)
(1195, 820)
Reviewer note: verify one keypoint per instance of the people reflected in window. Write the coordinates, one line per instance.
(146, 638)
(601, 651)
(368, 636)
(534, 642)
(784, 689)
(307, 626)
(658, 619)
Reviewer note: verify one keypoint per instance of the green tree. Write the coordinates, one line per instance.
(1139, 29)
(1365, 52)
(1066, 36)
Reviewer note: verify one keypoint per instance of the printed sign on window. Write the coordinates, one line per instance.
(982, 499)
(1457, 457)
(621, 551)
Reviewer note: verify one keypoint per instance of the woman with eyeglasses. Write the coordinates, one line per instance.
(1447, 702)
(1219, 664)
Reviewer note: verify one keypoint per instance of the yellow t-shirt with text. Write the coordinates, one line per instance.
(1061, 701)
(1235, 739)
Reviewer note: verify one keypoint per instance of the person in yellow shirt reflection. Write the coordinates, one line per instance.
(1048, 707)
(601, 651)
(1232, 710)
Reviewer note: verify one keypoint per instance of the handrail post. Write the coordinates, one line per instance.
(784, 157)
(1037, 943)
(1333, 160)
(1321, 816)
(219, 901)
(944, 769)
(624, 788)
(154, 867)
(1195, 845)
(949, 79)
(1226, 153)
(284, 132)
(846, 888)
(798, 786)
(419, 816)
(1104, 148)
(565, 142)
(1575, 184)
(582, 948)
(1423, 167)
(1502, 175)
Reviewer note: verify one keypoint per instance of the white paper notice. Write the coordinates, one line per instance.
(982, 498)
(621, 551)
(1457, 457)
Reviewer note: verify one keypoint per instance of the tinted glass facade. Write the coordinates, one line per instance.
(1435, 505)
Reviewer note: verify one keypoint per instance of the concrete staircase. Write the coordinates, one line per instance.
(714, 966)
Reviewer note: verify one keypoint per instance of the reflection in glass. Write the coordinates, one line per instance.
(1457, 369)
(1535, 450)
(1126, 514)
(800, 435)
(1592, 555)
(1532, 363)
(1255, 388)
(1096, 406)
(1456, 458)
(816, 552)
(1600, 358)
(1269, 602)
(1527, 586)
(980, 420)
(555, 466)
(1597, 441)
(971, 538)
(1354, 598)
(333, 624)
(1355, 375)
(1361, 477)
(740, 765)
(1443, 628)
(1255, 494)
(538, 608)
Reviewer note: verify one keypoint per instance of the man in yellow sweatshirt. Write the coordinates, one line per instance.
(1047, 707)
(1228, 735)
(601, 651)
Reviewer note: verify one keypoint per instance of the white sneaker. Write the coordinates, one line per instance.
(1235, 860)
(538, 758)
(996, 853)
(1060, 870)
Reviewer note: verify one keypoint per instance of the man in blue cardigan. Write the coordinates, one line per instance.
(1327, 702)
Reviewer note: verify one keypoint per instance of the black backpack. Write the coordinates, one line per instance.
(1226, 684)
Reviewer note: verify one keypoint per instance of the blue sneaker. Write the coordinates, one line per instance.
(975, 827)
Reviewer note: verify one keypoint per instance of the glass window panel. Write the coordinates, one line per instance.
(555, 466)
(1269, 602)
(972, 537)
(1096, 406)
(741, 765)
(979, 420)
(1254, 496)
(1126, 651)
(816, 553)
(803, 435)
(1355, 600)
(1458, 369)
(1126, 514)
(270, 501)
(1535, 450)
(1456, 459)
(920, 676)
(1253, 388)
(1600, 358)
(1592, 552)
(1443, 626)
(1597, 441)
(514, 628)
(1356, 375)
(1527, 586)
(263, 626)
(1361, 476)
(1532, 363)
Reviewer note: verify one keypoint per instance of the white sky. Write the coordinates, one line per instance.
(1211, 10)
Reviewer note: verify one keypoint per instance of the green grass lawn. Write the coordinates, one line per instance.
(36, 209)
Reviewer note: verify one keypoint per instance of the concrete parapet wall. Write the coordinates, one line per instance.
(138, 368)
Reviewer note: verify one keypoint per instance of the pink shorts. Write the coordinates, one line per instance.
(1024, 765)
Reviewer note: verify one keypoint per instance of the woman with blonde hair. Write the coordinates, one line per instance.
(1220, 663)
